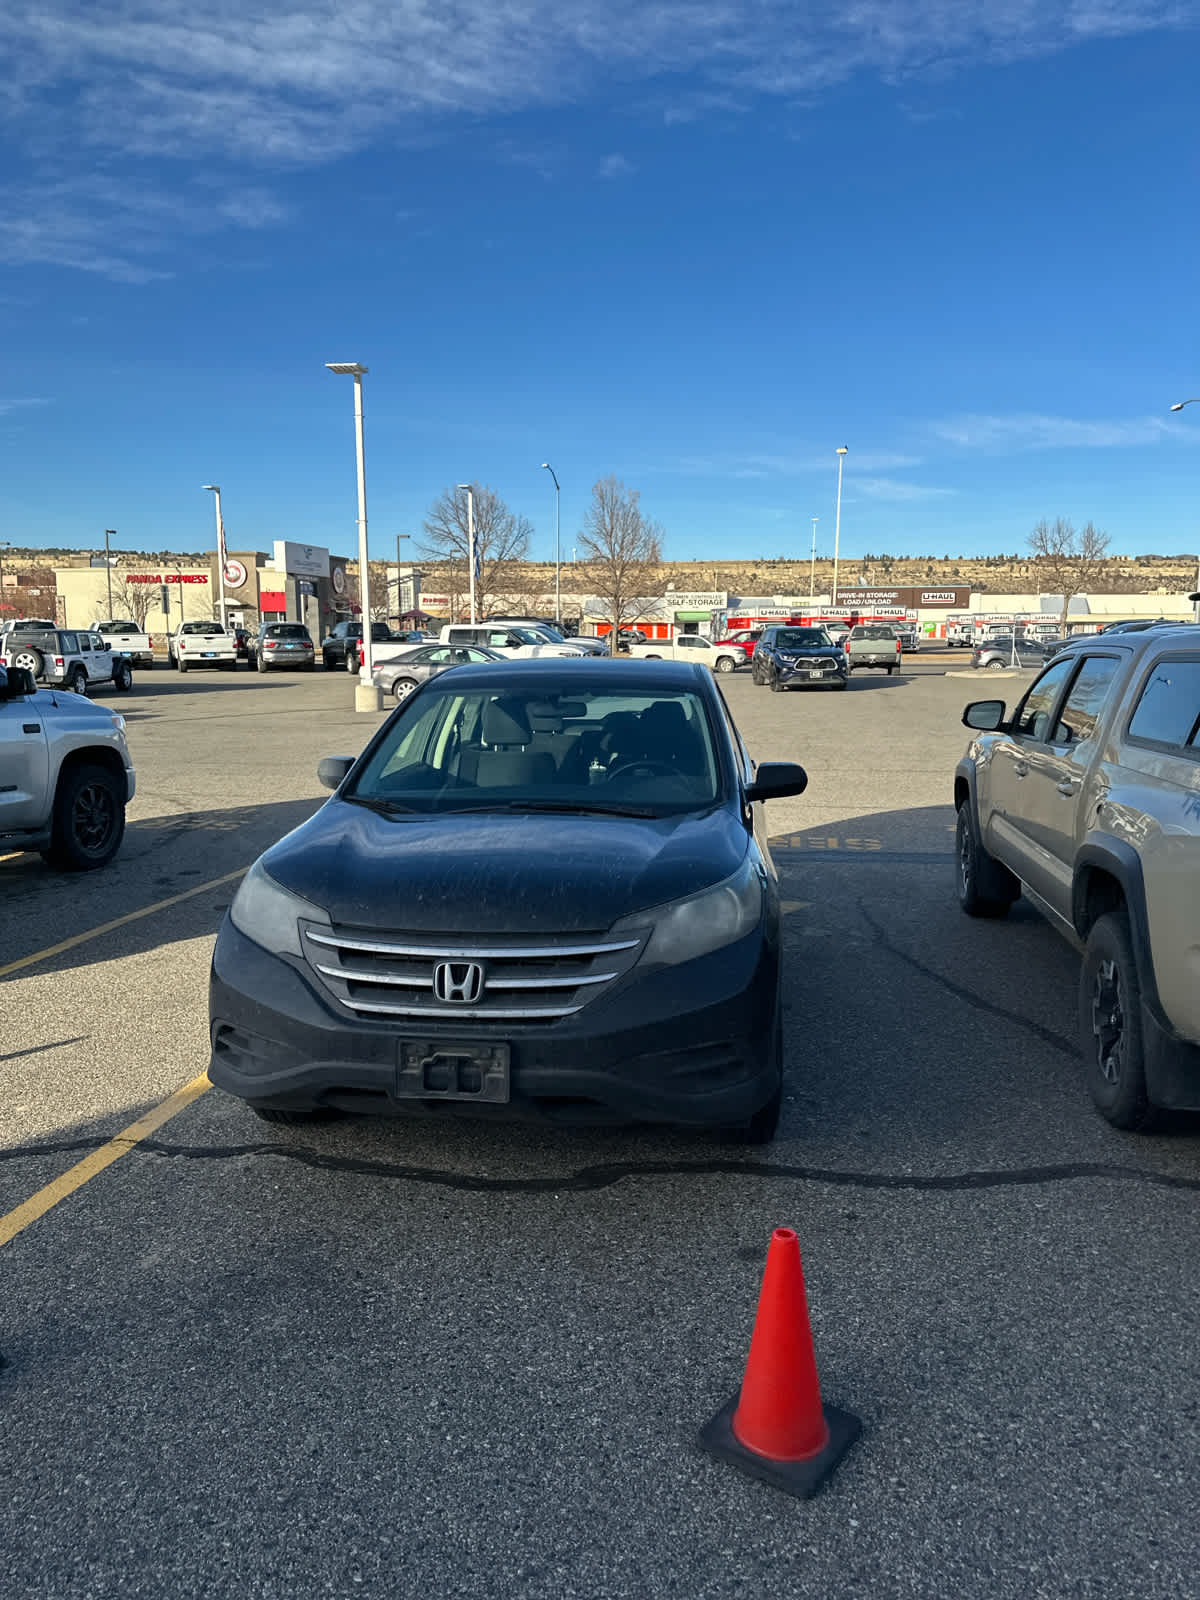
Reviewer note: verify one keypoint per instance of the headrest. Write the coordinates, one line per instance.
(505, 722)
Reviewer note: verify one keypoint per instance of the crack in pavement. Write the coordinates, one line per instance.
(1047, 1035)
(38, 1049)
(605, 1175)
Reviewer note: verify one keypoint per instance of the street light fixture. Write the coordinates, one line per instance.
(367, 694)
(1179, 404)
(557, 545)
(222, 553)
(842, 452)
(471, 543)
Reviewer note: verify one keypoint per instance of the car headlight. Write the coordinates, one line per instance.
(118, 722)
(269, 914)
(683, 930)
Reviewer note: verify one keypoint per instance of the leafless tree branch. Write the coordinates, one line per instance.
(622, 555)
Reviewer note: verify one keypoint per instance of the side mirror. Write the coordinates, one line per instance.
(332, 770)
(986, 716)
(774, 780)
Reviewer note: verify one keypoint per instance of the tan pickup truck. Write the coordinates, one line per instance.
(1086, 799)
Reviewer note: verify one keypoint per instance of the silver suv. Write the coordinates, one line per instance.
(1086, 799)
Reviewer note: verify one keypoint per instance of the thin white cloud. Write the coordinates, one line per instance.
(779, 464)
(8, 406)
(1033, 431)
(896, 489)
(616, 166)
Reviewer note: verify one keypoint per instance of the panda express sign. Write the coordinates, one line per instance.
(910, 599)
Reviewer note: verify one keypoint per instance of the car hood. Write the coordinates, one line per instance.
(61, 703)
(499, 873)
(798, 650)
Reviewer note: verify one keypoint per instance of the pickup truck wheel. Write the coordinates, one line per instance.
(724, 663)
(653, 658)
(30, 659)
(351, 661)
(123, 677)
(985, 887)
(77, 680)
(181, 664)
(89, 819)
(1110, 1025)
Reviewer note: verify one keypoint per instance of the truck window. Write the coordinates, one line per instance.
(1078, 718)
(1168, 709)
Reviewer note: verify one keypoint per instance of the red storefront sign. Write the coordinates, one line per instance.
(272, 600)
(165, 577)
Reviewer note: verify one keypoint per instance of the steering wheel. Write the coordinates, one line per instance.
(648, 766)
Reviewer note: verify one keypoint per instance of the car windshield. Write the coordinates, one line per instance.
(287, 630)
(201, 627)
(599, 748)
(800, 638)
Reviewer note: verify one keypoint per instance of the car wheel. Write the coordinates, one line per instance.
(182, 664)
(294, 1117)
(986, 888)
(31, 660)
(326, 662)
(774, 684)
(724, 663)
(89, 819)
(123, 678)
(890, 670)
(351, 661)
(402, 688)
(653, 658)
(260, 663)
(996, 666)
(77, 680)
(763, 1125)
(1110, 1025)
(844, 684)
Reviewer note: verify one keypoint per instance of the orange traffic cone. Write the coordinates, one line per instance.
(776, 1428)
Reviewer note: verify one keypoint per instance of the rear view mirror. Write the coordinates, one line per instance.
(332, 770)
(774, 780)
(986, 716)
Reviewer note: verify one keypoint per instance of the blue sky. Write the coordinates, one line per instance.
(694, 243)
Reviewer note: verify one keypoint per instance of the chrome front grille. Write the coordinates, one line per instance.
(465, 978)
(825, 662)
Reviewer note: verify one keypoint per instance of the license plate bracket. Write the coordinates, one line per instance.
(445, 1069)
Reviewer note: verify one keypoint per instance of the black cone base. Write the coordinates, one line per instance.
(800, 1478)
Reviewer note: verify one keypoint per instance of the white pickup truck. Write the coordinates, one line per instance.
(65, 774)
(509, 639)
(128, 638)
(692, 647)
(202, 644)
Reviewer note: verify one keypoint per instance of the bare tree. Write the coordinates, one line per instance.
(622, 555)
(136, 600)
(501, 546)
(1072, 560)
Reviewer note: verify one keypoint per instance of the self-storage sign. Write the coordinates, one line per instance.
(909, 599)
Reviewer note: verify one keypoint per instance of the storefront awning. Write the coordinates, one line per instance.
(692, 616)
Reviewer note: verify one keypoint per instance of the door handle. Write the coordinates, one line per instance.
(1021, 768)
(1066, 787)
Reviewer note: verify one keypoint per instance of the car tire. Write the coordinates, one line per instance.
(1110, 1026)
(260, 664)
(77, 680)
(292, 1117)
(845, 684)
(351, 660)
(326, 662)
(182, 664)
(996, 666)
(402, 688)
(653, 658)
(724, 663)
(986, 888)
(774, 684)
(890, 670)
(30, 659)
(122, 678)
(763, 1125)
(89, 819)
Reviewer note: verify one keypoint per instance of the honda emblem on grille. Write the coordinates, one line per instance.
(460, 982)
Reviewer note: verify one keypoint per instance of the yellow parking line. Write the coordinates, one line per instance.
(118, 922)
(83, 1171)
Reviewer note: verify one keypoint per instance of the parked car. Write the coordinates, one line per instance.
(788, 657)
(513, 640)
(283, 644)
(406, 672)
(543, 889)
(127, 639)
(873, 645)
(202, 644)
(839, 632)
(68, 774)
(692, 647)
(910, 638)
(68, 658)
(1087, 797)
(552, 635)
(341, 645)
(746, 637)
(11, 623)
(997, 653)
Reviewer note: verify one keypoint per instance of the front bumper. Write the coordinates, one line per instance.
(802, 674)
(690, 1044)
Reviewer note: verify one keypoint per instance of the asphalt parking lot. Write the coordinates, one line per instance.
(451, 1359)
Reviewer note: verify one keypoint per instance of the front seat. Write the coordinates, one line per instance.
(505, 761)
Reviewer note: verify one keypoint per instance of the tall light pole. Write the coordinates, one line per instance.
(108, 533)
(367, 694)
(812, 566)
(5, 544)
(1178, 406)
(471, 543)
(842, 452)
(222, 554)
(557, 546)
(399, 536)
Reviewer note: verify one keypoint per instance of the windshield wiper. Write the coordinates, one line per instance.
(378, 803)
(562, 807)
